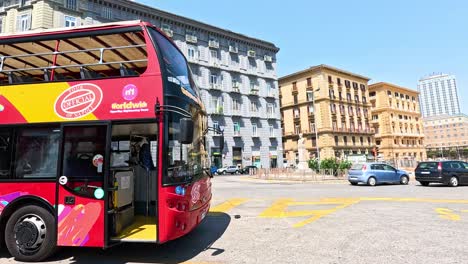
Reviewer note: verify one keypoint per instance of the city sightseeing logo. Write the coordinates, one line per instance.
(78, 101)
(129, 93)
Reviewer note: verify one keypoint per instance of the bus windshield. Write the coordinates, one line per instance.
(184, 162)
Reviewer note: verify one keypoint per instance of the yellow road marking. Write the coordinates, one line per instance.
(448, 214)
(419, 200)
(279, 209)
(228, 205)
(464, 211)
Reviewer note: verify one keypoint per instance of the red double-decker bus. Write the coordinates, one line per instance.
(101, 140)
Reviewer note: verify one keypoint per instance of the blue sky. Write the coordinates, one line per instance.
(392, 41)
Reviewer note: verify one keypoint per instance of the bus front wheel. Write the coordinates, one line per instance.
(30, 234)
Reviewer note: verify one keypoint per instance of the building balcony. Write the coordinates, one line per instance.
(271, 116)
(217, 111)
(215, 86)
(253, 91)
(236, 112)
(254, 114)
(235, 90)
(237, 134)
(271, 95)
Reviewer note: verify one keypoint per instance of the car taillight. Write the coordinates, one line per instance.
(364, 167)
(439, 166)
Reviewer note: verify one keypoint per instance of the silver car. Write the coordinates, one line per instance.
(229, 169)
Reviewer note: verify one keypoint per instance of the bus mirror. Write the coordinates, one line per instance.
(221, 143)
(186, 131)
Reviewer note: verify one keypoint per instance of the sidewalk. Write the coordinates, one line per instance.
(290, 178)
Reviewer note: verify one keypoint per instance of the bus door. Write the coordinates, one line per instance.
(81, 190)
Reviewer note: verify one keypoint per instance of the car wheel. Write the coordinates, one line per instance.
(424, 183)
(353, 183)
(224, 172)
(371, 181)
(31, 234)
(237, 172)
(404, 180)
(453, 181)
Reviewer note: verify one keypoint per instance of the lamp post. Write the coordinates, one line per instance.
(315, 126)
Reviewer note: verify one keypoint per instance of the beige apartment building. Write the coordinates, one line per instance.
(329, 108)
(396, 120)
(446, 136)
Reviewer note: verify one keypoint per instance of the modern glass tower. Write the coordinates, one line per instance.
(438, 95)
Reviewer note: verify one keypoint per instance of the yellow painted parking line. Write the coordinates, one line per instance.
(279, 209)
(448, 214)
(418, 200)
(228, 205)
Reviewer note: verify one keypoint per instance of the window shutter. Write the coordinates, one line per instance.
(29, 21)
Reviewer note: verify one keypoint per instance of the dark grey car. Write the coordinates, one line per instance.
(451, 173)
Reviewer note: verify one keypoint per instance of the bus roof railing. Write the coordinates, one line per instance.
(54, 53)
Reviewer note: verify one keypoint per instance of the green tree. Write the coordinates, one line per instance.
(345, 165)
(313, 164)
(329, 164)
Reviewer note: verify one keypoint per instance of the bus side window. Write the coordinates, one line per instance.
(36, 153)
(5, 153)
(124, 71)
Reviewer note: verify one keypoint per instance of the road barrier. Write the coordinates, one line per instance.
(299, 175)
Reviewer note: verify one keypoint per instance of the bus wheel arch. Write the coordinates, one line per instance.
(16, 205)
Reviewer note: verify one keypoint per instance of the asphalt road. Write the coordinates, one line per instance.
(254, 221)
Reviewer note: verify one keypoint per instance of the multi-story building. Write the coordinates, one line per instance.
(330, 108)
(446, 133)
(237, 73)
(396, 120)
(438, 95)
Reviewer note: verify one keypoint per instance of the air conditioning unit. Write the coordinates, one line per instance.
(251, 53)
(168, 32)
(267, 58)
(233, 49)
(213, 44)
(191, 38)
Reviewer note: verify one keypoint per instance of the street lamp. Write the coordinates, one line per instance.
(315, 126)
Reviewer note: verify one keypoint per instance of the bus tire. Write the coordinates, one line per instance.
(31, 234)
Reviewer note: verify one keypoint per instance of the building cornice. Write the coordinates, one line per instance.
(322, 67)
(387, 85)
(196, 24)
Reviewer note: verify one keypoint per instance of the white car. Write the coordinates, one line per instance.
(229, 169)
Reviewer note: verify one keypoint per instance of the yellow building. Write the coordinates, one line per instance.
(396, 119)
(332, 100)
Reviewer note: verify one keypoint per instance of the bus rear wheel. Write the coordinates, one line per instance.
(30, 234)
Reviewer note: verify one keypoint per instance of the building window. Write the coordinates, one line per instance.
(297, 129)
(253, 107)
(214, 80)
(71, 4)
(309, 82)
(297, 113)
(254, 129)
(107, 12)
(295, 99)
(270, 110)
(272, 131)
(214, 56)
(24, 22)
(294, 84)
(70, 21)
(192, 52)
(236, 129)
(216, 127)
(1, 24)
(235, 105)
(310, 96)
(330, 79)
